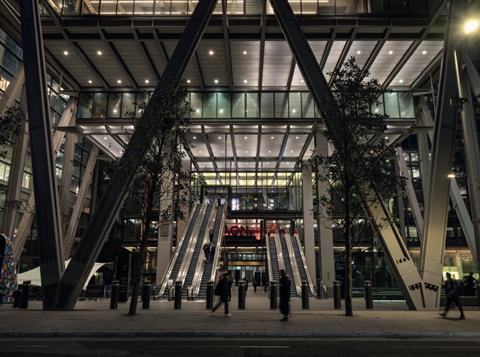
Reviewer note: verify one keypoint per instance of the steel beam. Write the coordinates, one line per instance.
(102, 221)
(400, 259)
(66, 181)
(80, 202)
(436, 207)
(43, 163)
(13, 90)
(473, 76)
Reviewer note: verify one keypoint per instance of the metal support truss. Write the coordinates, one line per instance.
(400, 258)
(436, 206)
(43, 164)
(12, 91)
(80, 201)
(28, 211)
(102, 221)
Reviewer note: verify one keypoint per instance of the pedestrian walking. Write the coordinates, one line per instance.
(453, 296)
(210, 235)
(255, 284)
(212, 252)
(469, 285)
(284, 295)
(246, 286)
(229, 285)
(206, 251)
(222, 291)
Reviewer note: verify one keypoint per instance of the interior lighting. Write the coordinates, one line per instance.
(194, 138)
(294, 110)
(451, 175)
(272, 137)
(189, 81)
(219, 137)
(147, 81)
(65, 53)
(471, 26)
(297, 137)
(269, 151)
(359, 52)
(221, 111)
(197, 111)
(90, 81)
(99, 53)
(216, 81)
(424, 52)
(119, 81)
(400, 81)
(390, 52)
(245, 81)
(211, 52)
(245, 52)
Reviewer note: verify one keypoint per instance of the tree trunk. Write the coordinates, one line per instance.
(137, 278)
(348, 255)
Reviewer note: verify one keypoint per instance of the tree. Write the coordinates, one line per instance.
(361, 159)
(160, 178)
(10, 126)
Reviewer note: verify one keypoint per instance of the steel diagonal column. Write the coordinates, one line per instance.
(472, 151)
(399, 256)
(103, 219)
(43, 165)
(436, 212)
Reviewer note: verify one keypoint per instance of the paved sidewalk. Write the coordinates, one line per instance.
(90, 318)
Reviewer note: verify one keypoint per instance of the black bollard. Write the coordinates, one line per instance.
(25, 294)
(337, 297)
(368, 294)
(146, 288)
(178, 295)
(319, 289)
(241, 295)
(210, 290)
(305, 295)
(17, 296)
(114, 294)
(273, 295)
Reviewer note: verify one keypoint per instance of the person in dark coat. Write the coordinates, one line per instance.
(284, 295)
(206, 251)
(453, 296)
(222, 291)
(255, 284)
(210, 235)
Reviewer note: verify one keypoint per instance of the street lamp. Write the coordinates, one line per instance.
(471, 26)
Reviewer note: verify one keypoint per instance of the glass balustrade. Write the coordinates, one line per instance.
(239, 7)
(233, 105)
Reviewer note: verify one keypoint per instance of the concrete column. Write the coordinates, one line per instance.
(12, 202)
(325, 241)
(165, 237)
(308, 221)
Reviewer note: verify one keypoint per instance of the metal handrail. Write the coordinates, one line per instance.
(167, 273)
(304, 262)
(200, 267)
(278, 248)
(269, 258)
(182, 272)
(217, 247)
(293, 263)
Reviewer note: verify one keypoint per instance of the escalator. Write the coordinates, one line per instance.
(300, 259)
(208, 273)
(177, 259)
(274, 270)
(197, 254)
(288, 266)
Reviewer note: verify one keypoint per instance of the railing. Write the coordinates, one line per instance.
(233, 105)
(278, 248)
(218, 246)
(293, 264)
(238, 7)
(197, 278)
(269, 258)
(304, 262)
(177, 252)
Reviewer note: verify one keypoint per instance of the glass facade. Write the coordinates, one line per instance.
(233, 105)
(241, 7)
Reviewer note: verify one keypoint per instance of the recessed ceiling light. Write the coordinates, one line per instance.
(272, 137)
(269, 151)
(400, 81)
(194, 137)
(211, 53)
(302, 81)
(219, 137)
(197, 111)
(291, 151)
(216, 81)
(65, 53)
(199, 151)
(245, 137)
(390, 52)
(294, 110)
(147, 81)
(90, 81)
(99, 53)
(359, 52)
(297, 137)
(119, 81)
(221, 111)
(115, 111)
(245, 81)
(189, 81)
(105, 138)
(245, 52)
(424, 52)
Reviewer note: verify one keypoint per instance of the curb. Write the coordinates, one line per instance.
(321, 334)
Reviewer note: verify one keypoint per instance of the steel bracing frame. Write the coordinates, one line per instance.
(394, 246)
(43, 163)
(103, 219)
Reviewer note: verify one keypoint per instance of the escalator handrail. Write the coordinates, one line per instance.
(304, 262)
(182, 272)
(293, 263)
(278, 248)
(167, 273)
(200, 266)
(269, 258)
(219, 244)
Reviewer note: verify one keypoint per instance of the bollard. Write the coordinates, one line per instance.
(210, 290)
(146, 288)
(305, 295)
(337, 298)
(25, 289)
(319, 289)
(368, 294)
(178, 295)
(114, 294)
(241, 295)
(273, 295)
(17, 296)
